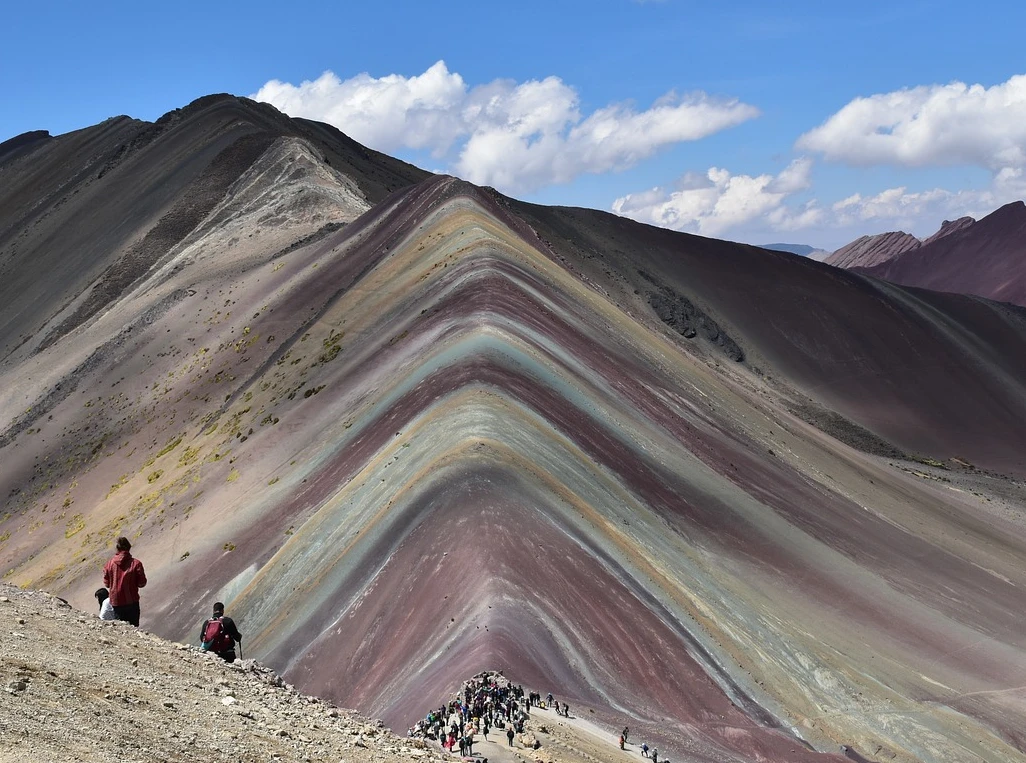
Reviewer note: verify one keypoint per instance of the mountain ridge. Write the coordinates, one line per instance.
(986, 258)
(411, 435)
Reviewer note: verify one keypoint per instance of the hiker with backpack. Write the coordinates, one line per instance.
(124, 576)
(219, 635)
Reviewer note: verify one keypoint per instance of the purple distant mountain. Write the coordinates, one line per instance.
(986, 258)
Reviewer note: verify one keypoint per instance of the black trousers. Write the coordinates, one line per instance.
(128, 613)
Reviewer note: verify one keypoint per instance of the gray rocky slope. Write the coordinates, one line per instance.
(79, 689)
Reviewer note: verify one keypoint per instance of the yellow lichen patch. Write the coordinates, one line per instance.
(174, 443)
(75, 525)
(233, 475)
(189, 455)
(122, 481)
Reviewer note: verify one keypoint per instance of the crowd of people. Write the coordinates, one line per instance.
(488, 701)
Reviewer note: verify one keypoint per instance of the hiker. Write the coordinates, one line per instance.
(219, 634)
(123, 575)
(622, 740)
(106, 609)
(644, 749)
(625, 732)
(509, 735)
(655, 755)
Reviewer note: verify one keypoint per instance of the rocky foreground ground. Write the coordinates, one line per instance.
(79, 689)
(75, 688)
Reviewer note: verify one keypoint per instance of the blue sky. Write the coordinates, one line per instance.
(810, 122)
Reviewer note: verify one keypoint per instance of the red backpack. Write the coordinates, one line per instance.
(215, 638)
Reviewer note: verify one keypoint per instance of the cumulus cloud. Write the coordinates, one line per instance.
(516, 136)
(893, 204)
(392, 112)
(929, 125)
(718, 201)
(922, 211)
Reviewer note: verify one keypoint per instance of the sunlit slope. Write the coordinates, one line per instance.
(422, 445)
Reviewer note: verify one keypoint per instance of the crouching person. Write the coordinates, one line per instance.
(219, 634)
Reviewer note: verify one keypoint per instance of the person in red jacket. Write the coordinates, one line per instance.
(124, 576)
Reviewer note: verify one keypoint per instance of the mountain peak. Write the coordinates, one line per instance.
(868, 251)
(986, 257)
(949, 227)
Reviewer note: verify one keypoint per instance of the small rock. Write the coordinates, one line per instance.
(229, 700)
(21, 621)
(17, 686)
(135, 663)
(168, 703)
(5, 600)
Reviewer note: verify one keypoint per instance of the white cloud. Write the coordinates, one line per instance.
(929, 125)
(421, 112)
(922, 211)
(719, 202)
(893, 204)
(516, 136)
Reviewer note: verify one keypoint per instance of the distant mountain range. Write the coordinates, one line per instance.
(802, 250)
(984, 257)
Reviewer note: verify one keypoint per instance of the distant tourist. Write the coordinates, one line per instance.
(509, 735)
(106, 609)
(219, 634)
(124, 576)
